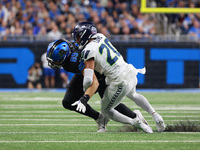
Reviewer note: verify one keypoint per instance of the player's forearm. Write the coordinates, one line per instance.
(88, 74)
(93, 87)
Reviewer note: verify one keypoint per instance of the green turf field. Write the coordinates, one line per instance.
(37, 121)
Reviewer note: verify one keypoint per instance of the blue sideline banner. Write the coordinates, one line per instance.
(168, 65)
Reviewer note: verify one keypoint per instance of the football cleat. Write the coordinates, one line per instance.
(141, 123)
(101, 123)
(160, 125)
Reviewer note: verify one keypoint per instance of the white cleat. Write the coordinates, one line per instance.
(160, 125)
(141, 123)
(102, 122)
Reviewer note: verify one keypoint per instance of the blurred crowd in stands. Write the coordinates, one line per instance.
(186, 23)
(50, 19)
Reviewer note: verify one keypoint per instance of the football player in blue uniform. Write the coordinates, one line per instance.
(64, 53)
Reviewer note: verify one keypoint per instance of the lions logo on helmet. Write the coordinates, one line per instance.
(61, 53)
(57, 52)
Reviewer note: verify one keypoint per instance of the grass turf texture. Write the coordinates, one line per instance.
(38, 121)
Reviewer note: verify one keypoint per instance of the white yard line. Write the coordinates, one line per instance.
(28, 106)
(85, 120)
(36, 112)
(71, 116)
(144, 141)
(71, 112)
(82, 120)
(71, 125)
(55, 125)
(25, 99)
(59, 105)
(178, 108)
(43, 116)
(91, 132)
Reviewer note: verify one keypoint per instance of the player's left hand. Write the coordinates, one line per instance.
(80, 106)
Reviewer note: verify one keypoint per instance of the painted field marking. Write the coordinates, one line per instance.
(71, 125)
(71, 112)
(55, 125)
(25, 99)
(43, 106)
(82, 120)
(70, 116)
(36, 112)
(147, 141)
(91, 132)
(62, 91)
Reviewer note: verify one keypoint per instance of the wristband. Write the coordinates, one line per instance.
(84, 99)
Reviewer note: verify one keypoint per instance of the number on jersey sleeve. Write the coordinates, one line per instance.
(85, 53)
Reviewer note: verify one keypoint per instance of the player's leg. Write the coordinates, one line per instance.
(112, 97)
(74, 93)
(141, 101)
(121, 107)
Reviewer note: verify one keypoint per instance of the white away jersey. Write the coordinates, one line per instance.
(108, 60)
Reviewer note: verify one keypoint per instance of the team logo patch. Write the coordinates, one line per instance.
(61, 53)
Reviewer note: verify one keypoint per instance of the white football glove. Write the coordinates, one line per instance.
(81, 104)
(80, 107)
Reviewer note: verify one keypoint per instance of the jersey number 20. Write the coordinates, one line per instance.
(109, 48)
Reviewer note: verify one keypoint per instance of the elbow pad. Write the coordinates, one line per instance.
(88, 78)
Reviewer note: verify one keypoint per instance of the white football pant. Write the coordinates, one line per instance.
(115, 93)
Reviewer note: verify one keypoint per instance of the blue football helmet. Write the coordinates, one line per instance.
(57, 52)
(82, 32)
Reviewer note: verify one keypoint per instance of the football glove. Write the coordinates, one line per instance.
(81, 104)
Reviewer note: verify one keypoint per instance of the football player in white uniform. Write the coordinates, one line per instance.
(100, 55)
(64, 53)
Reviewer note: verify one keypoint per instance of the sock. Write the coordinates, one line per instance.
(90, 112)
(123, 109)
(118, 117)
(141, 101)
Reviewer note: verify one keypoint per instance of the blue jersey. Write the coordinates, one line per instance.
(74, 63)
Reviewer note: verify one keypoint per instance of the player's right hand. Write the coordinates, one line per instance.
(80, 106)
